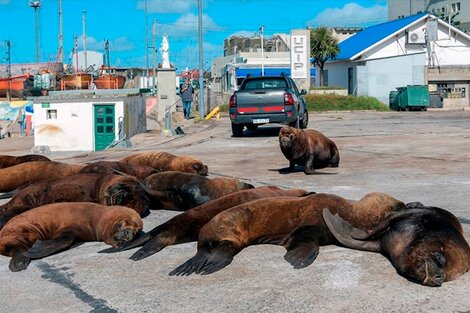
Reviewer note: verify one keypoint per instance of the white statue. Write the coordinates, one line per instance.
(165, 48)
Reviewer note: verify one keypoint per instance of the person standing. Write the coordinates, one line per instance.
(187, 98)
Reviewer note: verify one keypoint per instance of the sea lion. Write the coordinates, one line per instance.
(164, 161)
(308, 148)
(54, 227)
(182, 191)
(185, 227)
(23, 174)
(424, 244)
(9, 160)
(271, 220)
(108, 189)
(104, 167)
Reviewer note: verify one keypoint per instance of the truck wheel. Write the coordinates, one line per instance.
(252, 127)
(425, 108)
(304, 121)
(237, 130)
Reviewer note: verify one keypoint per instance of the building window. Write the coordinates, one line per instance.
(51, 114)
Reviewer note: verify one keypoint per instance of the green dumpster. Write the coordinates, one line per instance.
(411, 97)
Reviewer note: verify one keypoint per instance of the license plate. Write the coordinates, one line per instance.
(260, 120)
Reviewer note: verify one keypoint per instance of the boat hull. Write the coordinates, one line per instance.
(75, 81)
(109, 82)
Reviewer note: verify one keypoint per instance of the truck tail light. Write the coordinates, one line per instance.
(288, 99)
(233, 101)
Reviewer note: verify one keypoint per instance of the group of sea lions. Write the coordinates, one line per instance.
(105, 201)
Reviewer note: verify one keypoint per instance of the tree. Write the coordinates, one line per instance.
(323, 46)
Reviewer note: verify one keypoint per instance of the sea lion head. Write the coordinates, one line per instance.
(287, 137)
(119, 225)
(427, 265)
(127, 191)
(378, 201)
(187, 164)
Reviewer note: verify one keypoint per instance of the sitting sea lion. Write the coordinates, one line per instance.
(9, 160)
(108, 189)
(54, 227)
(308, 148)
(23, 174)
(104, 167)
(182, 191)
(424, 244)
(185, 227)
(164, 161)
(271, 220)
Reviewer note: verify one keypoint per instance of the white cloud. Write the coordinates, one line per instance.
(352, 14)
(4, 2)
(186, 26)
(117, 44)
(166, 6)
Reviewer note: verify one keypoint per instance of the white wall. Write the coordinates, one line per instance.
(73, 130)
(337, 74)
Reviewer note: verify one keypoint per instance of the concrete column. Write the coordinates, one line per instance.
(300, 58)
(166, 91)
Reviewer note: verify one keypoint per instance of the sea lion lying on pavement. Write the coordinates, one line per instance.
(183, 191)
(185, 227)
(308, 148)
(164, 161)
(54, 227)
(23, 174)
(105, 167)
(9, 160)
(271, 220)
(108, 189)
(424, 244)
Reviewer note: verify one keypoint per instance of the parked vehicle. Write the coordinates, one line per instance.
(267, 99)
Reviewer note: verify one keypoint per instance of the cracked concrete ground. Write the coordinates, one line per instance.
(414, 156)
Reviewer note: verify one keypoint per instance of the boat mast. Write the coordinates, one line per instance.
(61, 37)
(8, 57)
(84, 40)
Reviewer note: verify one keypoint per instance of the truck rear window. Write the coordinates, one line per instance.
(266, 83)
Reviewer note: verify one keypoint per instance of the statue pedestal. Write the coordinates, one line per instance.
(166, 91)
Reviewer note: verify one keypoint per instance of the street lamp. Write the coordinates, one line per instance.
(261, 30)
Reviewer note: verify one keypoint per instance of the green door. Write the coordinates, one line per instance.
(104, 126)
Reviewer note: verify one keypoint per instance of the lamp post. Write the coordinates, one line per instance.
(261, 30)
(36, 5)
(201, 62)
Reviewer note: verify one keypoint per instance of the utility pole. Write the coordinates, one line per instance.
(61, 37)
(36, 5)
(8, 57)
(261, 29)
(201, 61)
(146, 45)
(84, 40)
(154, 54)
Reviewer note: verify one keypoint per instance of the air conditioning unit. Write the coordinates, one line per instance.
(416, 37)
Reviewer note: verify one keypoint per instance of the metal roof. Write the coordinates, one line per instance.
(372, 35)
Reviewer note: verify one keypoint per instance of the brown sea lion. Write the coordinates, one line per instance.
(105, 167)
(108, 189)
(185, 227)
(308, 148)
(424, 244)
(271, 220)
(54, 227)
(182, 191)
(9, 160)
(26, 173)
(164, 161)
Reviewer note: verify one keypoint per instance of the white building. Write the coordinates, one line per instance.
(88, 120)
(416, 50)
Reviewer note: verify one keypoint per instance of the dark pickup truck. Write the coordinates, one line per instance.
(267, 99)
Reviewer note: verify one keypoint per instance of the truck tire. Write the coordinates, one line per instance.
(237, 130)
(304, 120)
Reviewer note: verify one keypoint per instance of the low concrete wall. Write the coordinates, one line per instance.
(341, 92)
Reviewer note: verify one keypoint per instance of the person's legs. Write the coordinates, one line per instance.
(185, 109)
(189, 109)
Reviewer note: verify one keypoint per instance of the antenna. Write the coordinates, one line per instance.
(36, 5)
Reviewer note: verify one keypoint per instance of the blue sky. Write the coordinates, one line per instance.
(122, 22)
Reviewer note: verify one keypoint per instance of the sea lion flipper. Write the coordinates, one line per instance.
(302, 254)
(342, 231)
(138, 242)
(45, 248)
(150, 247)
(205, 263)
(9, 194)
(18, 261)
